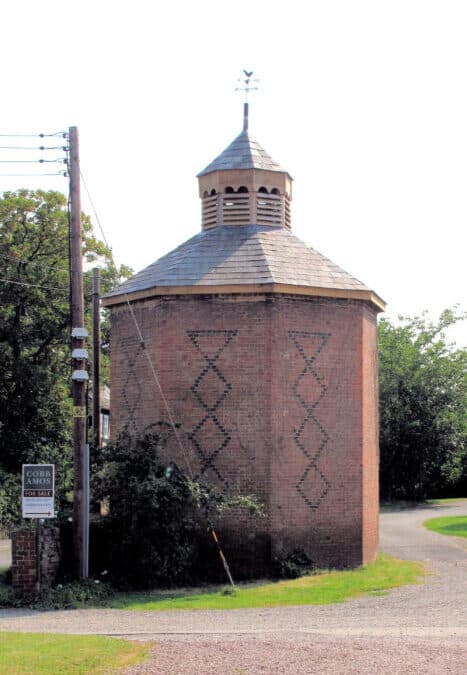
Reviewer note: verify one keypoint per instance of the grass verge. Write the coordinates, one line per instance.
(318, 589)
(40, 653)
(453, 526)
(447, 500)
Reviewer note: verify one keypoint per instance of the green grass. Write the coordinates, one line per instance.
(317, 589)
(454, 526)
(37, 653)
(448, 500)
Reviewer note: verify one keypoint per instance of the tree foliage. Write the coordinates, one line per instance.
(156, 531)
(149, 536)
(422, 409)
(35, 401)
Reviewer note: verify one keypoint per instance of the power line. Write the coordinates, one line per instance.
(143, 345)
(26, 175)
(96, 216)
(25, 283)
(34, 147)
(60, 160)
(39, 160)
(63, 134)
(34, 262)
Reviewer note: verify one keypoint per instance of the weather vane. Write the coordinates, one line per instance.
(247, 82)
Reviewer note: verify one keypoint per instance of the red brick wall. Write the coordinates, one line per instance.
(370, 462)
(24, 562)
(25, 548)
(316, 482)
(271, 397)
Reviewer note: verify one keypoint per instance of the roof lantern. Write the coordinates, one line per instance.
(246, 244)
(244, 185)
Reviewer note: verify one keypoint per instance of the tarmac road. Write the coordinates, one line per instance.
(402, 533)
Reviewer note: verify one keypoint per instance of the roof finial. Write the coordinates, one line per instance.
(247, 81)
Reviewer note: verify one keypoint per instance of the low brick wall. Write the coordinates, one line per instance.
(35, 564)
(50, 556)
(24, 562)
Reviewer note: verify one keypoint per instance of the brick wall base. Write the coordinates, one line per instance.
(24, 562)
(35, 561)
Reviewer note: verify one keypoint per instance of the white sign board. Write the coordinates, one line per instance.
(38, 490)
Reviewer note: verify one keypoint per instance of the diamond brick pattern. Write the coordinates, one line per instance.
(210, 388)
(310, 437)
(131, 402)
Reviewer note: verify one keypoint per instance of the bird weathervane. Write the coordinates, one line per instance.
(247, 81)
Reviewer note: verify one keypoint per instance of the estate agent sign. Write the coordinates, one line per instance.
(38, 490)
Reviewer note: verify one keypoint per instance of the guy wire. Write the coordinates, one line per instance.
(164, 399)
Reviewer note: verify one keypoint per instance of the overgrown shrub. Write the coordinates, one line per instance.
(156, 533)
(63, 596)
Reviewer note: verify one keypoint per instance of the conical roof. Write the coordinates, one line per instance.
(247, 256)
(243, 153)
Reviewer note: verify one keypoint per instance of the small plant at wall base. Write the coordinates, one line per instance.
(156, 532)
(73, 595)
(292, 566)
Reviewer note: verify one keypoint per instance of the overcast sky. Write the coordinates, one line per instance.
(363, 102)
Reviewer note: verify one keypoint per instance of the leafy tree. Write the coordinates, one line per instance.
(35, 401)
(422, 408)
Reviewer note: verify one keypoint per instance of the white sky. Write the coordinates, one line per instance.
(363, 102)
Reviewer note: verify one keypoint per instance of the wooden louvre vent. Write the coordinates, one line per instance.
(236, 209)
(269, 209)
(209, 211)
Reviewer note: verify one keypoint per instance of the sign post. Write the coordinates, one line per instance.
(38, 490)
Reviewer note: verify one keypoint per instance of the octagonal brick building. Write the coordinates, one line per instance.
(266, 352)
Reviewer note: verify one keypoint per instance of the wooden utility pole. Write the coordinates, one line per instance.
(96, 360)
(79, 360)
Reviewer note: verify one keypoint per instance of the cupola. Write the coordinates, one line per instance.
(245, 186)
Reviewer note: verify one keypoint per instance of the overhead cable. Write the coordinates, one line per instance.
(18, 175)
(25, 283)
(63, 134)
(34, 147)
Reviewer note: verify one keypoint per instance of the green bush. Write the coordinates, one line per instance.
(63, 596)
(156, 533)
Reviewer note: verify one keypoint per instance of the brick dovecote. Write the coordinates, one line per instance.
(276, 397)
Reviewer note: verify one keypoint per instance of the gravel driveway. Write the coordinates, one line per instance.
(414, 629)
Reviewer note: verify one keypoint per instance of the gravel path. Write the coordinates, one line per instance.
(323, 656)
(414, 629)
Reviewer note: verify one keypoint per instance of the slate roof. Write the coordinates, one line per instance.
(241, 254)
(242, 153)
